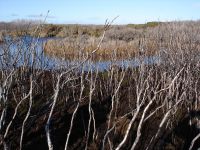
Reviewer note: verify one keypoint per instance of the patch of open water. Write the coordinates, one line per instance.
(29, 51)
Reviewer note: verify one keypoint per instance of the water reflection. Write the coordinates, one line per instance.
(28, 51)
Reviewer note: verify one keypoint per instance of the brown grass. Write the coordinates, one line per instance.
(120, 41)
(68, 49)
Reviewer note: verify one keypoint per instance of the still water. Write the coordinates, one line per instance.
(28, 51)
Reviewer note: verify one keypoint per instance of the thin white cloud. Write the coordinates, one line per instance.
(14, 15)
(41, 16)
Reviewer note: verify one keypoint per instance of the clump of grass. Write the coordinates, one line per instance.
(69, 48)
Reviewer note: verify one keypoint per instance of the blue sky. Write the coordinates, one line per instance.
(97, 11)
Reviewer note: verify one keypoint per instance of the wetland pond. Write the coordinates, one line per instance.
(29, 51)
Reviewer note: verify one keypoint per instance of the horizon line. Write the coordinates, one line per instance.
(76, 23)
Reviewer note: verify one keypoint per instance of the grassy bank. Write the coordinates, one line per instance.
(125, 42)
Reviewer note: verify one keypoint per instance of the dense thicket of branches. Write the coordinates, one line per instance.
(77, 107)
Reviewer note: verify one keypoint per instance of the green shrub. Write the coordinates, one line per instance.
(146, 25)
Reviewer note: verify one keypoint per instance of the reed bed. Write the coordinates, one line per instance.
(121, 45)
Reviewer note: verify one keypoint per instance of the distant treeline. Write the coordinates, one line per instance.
(18, 25)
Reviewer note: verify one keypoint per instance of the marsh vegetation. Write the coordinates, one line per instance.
(73, 106)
